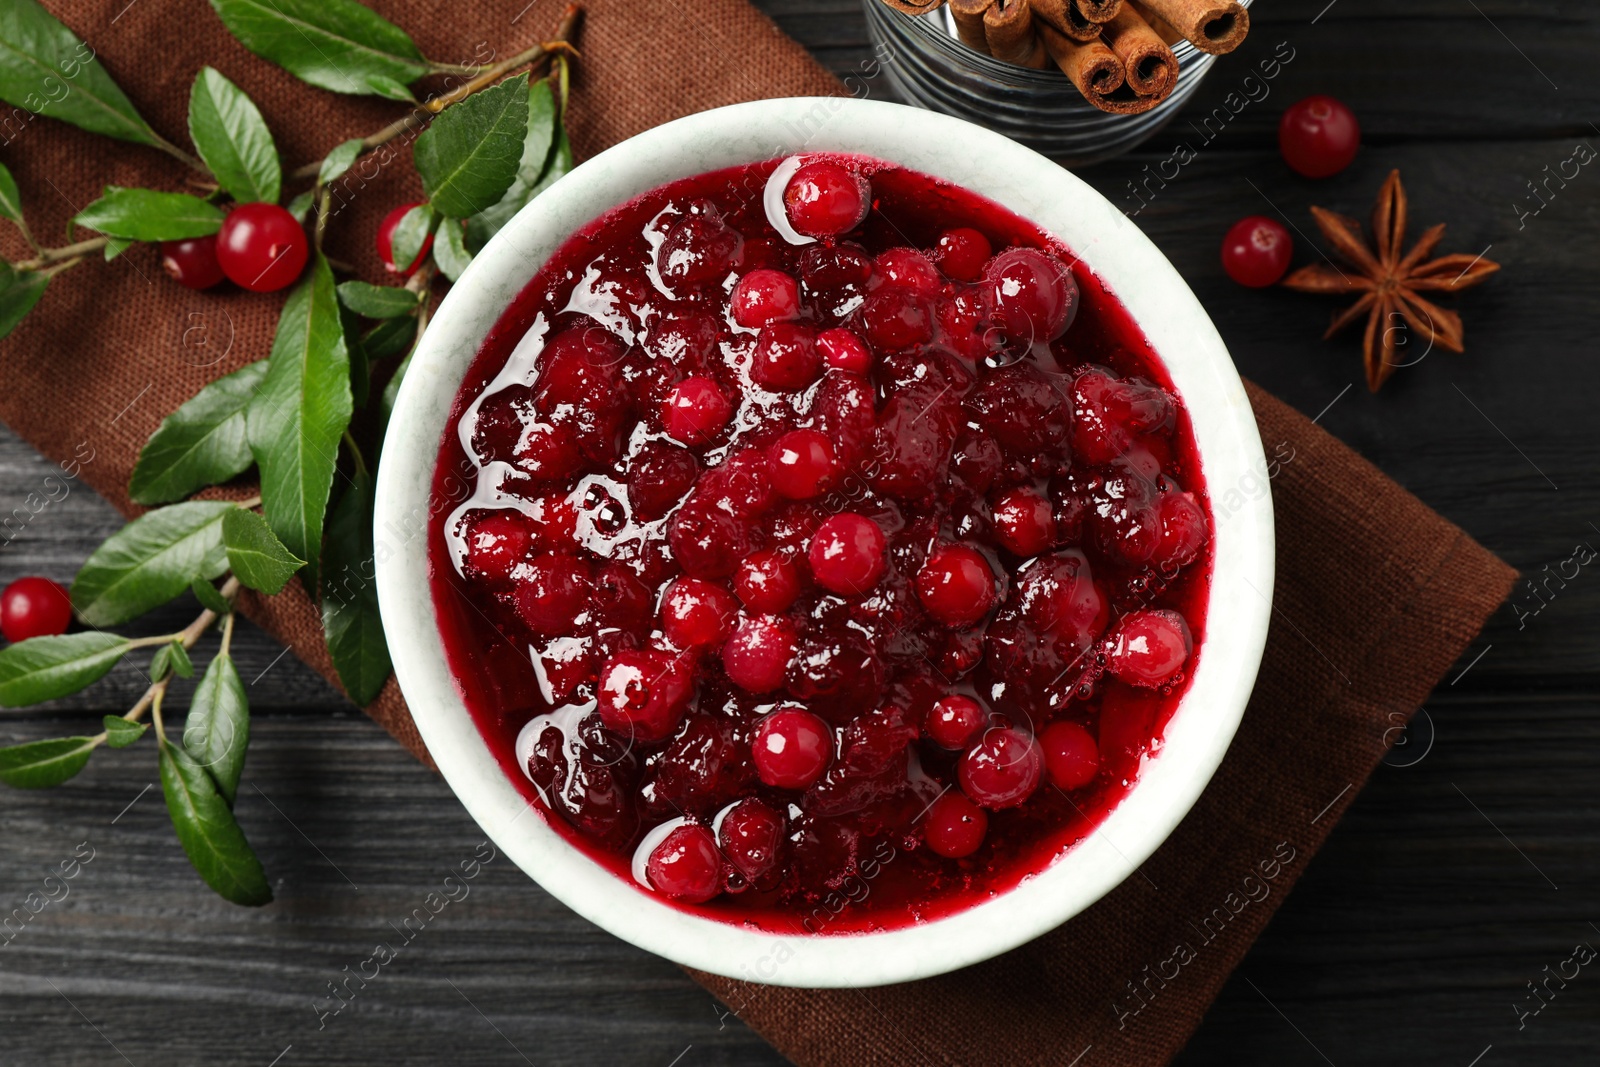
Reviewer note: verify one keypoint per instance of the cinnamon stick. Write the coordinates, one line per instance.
(1214, 26)
(914, 7)
(1149, 66)
(1067, 19)
(968, 16)
(1009, 27)
(1097, 72)
(1099, 10)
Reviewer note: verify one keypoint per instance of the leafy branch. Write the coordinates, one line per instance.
(306, 418)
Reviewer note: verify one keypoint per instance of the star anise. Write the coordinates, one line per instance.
(1389, 283)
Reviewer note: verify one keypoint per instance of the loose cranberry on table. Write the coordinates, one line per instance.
(792, 748)
(686, 865)
(386, 230)
(954, 826)
(825, 199)
(1256, 251)
(261, 247)
(846, 554)
(34, 607)
(1318, 136)
(192, 262)
(783, 555)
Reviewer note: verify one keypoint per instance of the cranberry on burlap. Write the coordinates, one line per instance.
(113, 348)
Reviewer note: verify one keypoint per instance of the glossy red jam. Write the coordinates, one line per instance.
(822, 584)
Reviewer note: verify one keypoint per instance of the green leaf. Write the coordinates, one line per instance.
(11, 199)
(299, 413)
(18, 293)
(333, 44)
(300, 207)
(115, 246)
(341, 159)
(42, 764)
(350, 596)
(450, 250)
(146, 215)
(120, 733)
(360, 364)
(377, 301)
(536, 149)
(217, 732)
(151, 560)
(171, 658)
(208, 831)
(161, 663)
(202, 443)
(257, 558)
(468, 156)
(210, 597)
(391, 391)
(389, 338)
(233, 140)
(44, 668)
(46, 69)
(411, 232)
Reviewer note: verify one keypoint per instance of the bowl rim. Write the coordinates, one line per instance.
(1238, 610)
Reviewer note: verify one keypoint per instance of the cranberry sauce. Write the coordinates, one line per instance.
(819, 546)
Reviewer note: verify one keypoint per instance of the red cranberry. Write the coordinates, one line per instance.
(34, 607)
(751, 835)
(1149, 647)
(842, 350)
(1071, 756)
(895, 318)
(548, 450)
(554, 521)
(695, 612)
(834, 266)
(192, 262)
(954, 826)
(261, 247)
(1318, 136)
(792, 748)
(1024, 522)
(802, 464)
(825, 199)
(707, 542)
(696, 411)
(1109, 412)
(785, 358)
(386, 230)
(592, 788)
(956, 585)
(954, 721)
(741, 486)
(1033, 295)
(767, 582)
(496, 542)
(1002, 770)
(1022, 409)
(1256, 251)
(909, 268)
(686, 865)
(1050, 620)
(757, 656)
(962, 253)
(552, 591)
(698, 250)
(658, 477)
(643, 694)
(846, 554)
(619, 600)
(977, 460)
(844, 410)
(1184, 531)
(764, 296)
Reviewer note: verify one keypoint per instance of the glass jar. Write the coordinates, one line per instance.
(930, 68)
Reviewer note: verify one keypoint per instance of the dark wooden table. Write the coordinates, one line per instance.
(1465, 869)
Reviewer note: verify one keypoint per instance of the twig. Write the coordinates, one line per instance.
(49, 256)
(188, 637)
(561, 43)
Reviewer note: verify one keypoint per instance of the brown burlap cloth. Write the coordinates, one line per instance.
(1376, 597)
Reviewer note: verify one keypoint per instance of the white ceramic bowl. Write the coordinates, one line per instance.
(1033, 187)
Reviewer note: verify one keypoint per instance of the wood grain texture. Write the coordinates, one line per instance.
(1409, 940)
